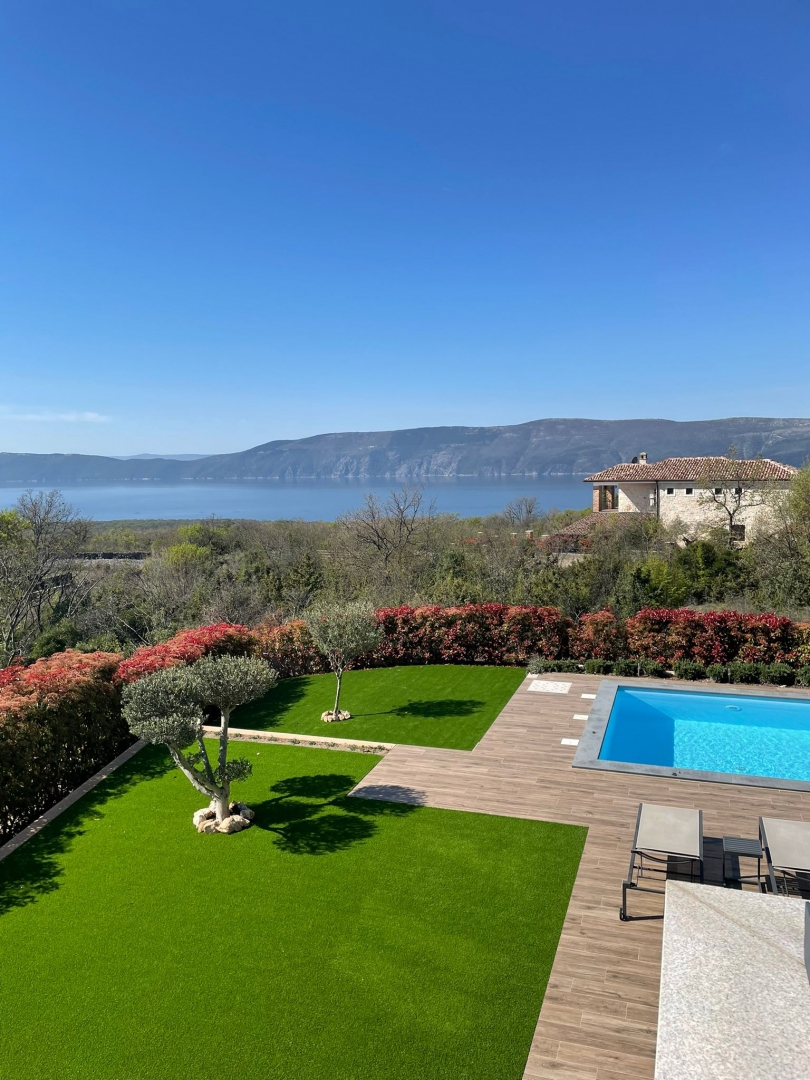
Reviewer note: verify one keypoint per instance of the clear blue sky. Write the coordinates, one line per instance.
(224, 223)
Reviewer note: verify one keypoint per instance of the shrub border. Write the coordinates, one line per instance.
(64, 804)
(590, 742)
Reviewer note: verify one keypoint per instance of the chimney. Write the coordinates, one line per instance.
(530, 534)
(642, 458)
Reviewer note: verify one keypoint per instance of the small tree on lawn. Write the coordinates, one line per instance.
(342, 634)
(169, 707)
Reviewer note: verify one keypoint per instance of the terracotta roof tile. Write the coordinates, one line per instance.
(694, 468)
(577, 528)
(584, 526)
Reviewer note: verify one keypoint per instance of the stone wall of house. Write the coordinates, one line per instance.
(694, 511)
(636, 498)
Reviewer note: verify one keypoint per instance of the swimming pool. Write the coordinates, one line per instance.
(692, 733)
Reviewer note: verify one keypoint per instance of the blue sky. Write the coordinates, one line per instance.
(228, 223)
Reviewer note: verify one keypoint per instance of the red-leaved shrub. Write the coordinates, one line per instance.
(472, 634)
(220, 639)
(289, 649)
(710, 637)
(60, 721)
(600, 636)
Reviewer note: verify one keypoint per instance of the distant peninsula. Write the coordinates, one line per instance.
(556, 447)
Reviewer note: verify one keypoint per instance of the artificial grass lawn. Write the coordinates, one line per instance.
(451, 706)
(338, 939)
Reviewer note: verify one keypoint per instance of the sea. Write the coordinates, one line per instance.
(307, 500)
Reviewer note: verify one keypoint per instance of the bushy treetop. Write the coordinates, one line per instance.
(344, 632)
(163, 708)
(228, 681)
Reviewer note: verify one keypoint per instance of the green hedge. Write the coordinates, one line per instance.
(688, 669)
(60, 722)
(538, 666)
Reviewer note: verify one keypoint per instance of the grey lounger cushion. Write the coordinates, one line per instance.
(788, 842)
(670, 830)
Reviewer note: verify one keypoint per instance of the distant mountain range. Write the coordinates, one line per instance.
(167, 457)
(539, 448)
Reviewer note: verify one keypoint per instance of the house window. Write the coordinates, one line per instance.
(608, 498)
(738, 491)
(718, 491)
(738, 532)
(689, 491)
(670, 491)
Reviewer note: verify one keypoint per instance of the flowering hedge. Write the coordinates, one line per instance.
(711, 637)
(220, 639)
(289, 650)
(500, 634)
(600, 636)
(60, 721)
(472, 634)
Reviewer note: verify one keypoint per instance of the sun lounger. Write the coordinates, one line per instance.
(787, 852)
(665, 837)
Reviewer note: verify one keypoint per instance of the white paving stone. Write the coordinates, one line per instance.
(544, 686)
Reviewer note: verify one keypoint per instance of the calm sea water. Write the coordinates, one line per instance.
(314, 500)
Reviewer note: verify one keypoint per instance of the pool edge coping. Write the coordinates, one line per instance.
(590, 742)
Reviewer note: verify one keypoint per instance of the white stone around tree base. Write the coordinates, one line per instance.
(329, 717)
(240, 817)
(231, 824)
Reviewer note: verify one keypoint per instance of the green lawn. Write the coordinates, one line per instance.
(339, 939)
(423, 706)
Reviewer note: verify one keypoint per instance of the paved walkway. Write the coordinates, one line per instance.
(599, 1016)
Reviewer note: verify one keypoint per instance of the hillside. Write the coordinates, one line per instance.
(556, 447)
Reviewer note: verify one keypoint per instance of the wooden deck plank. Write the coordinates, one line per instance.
(598, 1020)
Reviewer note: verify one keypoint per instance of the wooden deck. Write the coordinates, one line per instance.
(598, 1020)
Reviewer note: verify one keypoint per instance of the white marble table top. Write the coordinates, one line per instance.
(735, 995)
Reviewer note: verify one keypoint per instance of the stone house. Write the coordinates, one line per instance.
(696, 492)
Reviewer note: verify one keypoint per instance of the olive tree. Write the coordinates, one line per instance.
(740, 490)
(170, 707)
(341, 634)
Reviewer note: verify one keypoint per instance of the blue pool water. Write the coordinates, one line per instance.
(727, 733)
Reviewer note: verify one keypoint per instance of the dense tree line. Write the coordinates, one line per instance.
(385, 553)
